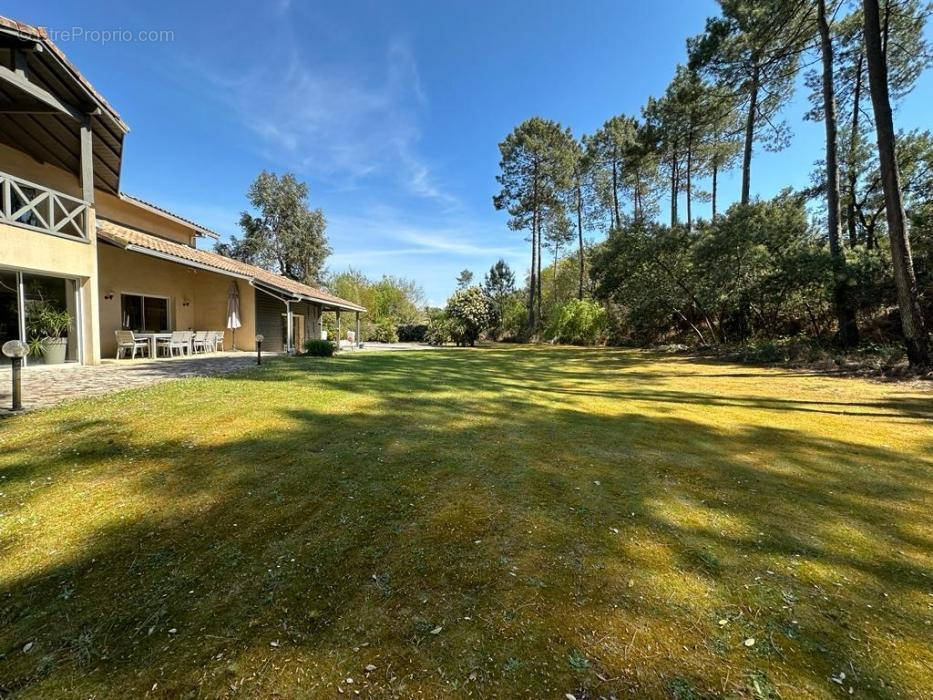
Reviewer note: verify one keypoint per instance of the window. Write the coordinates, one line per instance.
(144, 313)
(26, 300)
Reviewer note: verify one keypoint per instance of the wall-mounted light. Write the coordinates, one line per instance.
(108, 295)
(185, 302)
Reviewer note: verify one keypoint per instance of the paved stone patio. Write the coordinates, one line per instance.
(46, 386)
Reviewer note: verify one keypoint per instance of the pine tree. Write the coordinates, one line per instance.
(754, 48)
(464, 279)
(558, 232)
(842, 300)
(908, 297)
(606, 151)
(535, 168)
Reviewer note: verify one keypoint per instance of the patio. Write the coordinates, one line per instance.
(45, 386)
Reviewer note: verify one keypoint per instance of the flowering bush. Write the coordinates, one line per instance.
(472, 312)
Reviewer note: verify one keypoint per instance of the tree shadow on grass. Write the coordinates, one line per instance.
(559, 550)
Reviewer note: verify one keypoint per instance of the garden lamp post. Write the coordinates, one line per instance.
(16, 350)
(259, 339)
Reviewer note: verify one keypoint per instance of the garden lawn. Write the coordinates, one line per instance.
(495, 522)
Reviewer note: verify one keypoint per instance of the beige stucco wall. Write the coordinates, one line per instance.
(197, 298)
(21, 165)
(124, 212)
(210, 312)
(33, 251)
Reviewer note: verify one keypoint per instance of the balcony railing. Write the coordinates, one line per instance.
(42, 209)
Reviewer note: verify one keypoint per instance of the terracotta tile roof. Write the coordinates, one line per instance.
(39, 34)
(172, 215)
(124, 237)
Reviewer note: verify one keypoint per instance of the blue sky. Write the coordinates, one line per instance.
(391, 111)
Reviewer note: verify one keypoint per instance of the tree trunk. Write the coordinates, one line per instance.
(715, 173)
(908, 299)
(691, 324)
(674, 190)
(533, 283)
(580, 237)
(845, 314)
(689, 173)
(696, 302)
(637, 212)
(615, 190)
(532, 321)
(556, 254)
(750, 136)
(538, 313)
(853, 149)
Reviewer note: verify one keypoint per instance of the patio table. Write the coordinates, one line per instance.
(153, 339)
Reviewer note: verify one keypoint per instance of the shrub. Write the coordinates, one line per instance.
(438, 331)
(383, 331)
(473, 313)
(514, 320)
(579, 322)
(319, 348)
(412, 332)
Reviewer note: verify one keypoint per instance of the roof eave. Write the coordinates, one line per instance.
(295, 296)
(133, 248)
(262, 283)
(38, 35)
(142, 204)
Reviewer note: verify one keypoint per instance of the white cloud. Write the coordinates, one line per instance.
(413, 236)
(343, 121)
(354, 121)
(452, 242)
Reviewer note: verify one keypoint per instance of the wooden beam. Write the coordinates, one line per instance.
(17, 137)
(19, 80)
(87, 161)
(19, 63)
(15, 42)
(26, 109)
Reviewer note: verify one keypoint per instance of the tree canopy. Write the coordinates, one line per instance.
(283, 235)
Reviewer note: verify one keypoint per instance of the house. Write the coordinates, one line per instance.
(71, 238)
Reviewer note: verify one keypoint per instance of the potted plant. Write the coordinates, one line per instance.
(47, 328)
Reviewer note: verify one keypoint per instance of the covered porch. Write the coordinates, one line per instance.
(287, 321)
(146, 287)
(148, 284)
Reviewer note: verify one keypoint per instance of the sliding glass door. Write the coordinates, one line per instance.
(44, 311)
(144, 313)
(10, 327)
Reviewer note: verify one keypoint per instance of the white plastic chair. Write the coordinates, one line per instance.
(127, 341)
(180, 340)
(200, 342)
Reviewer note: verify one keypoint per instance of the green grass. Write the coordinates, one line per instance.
(506, 522)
